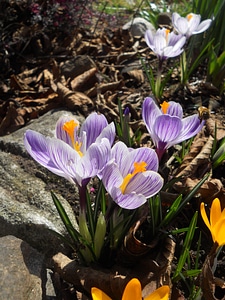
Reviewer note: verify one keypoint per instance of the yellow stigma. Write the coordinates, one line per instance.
(167, 34)
(138, 168)
(164, 106)
(189, 17)
(69, 127)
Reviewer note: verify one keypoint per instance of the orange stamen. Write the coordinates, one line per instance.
(69, 127)
(189, 17)
(167, 34)
(138, 168)
(164, 106)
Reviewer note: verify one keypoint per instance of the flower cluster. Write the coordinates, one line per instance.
(166, 43)
(129, 175)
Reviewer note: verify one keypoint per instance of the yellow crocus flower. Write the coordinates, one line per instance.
(133, 291)
(216, 223)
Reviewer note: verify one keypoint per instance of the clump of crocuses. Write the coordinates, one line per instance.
(166, 126)
(80, 153)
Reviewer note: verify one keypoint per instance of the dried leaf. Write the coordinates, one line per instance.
(111, 86)
(74, 100)
(210, 125)
(136, 75)
(196, 164)
(208, 282)
(84, 81)
(13, 120)
(207, 192)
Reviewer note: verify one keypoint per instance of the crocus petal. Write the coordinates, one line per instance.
(150, 111)
(149, 38)
(108, 132)
(218, 232)
(203, 26)
(132, 290)
(177, 48)
(97, 294)
(61, 133)
(119, 151)
(126, 157)
(193, 22)
(111, 176)
(142, 185)
(204, 215)
(171, 52)
(128, 201)
(93, 126)
(215, 212)
(161, 293)
(175, 109)
(191, 125)
(167, 128)
(147, 183)
(182, 25)
(99, 154)
(175, 17)
(63, 157)
(159, 44)
(145, 154)
(37, 146)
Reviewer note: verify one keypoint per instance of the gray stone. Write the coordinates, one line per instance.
(138, 26)
(22, 271)
(27, 210)
(76, 66)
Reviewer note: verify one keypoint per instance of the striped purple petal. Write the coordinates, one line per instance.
(203, 26)
(38, 147)
(93, 126)
(146, 183)
(150, 111)
(175, 109)
(167, 128)
(108, 132)
(191, 125)
(126, 157)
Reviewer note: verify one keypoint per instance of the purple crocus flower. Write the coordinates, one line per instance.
(74, 154)
(164, 43)
(132, 177)
(189, 25)
(167, 126)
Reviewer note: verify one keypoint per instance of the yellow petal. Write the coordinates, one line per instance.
(97, 294)
(132, 290)
(219, 232)
(161, 293)
(215, 212)
(204, 216)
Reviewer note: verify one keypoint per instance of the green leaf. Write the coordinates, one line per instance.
(219, 156)
(171, 212)
(75, 235)
(186, 247)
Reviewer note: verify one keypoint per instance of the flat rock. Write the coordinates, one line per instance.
(21, 270)
(27, 210)
(138, 26)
